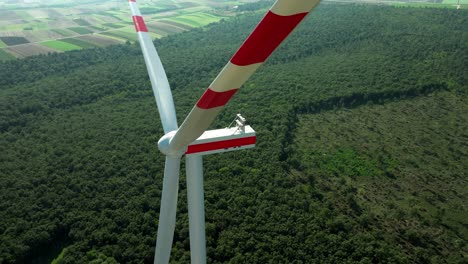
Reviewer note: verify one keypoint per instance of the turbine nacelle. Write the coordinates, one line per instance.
(240, 136)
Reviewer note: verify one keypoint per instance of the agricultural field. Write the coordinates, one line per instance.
(60, 45)
(81, 43)
(81, 30)
(99, 40)
(63, 32)
(195, 20)
(121, 34)
(62, 25)
(452, 4)
(26, 50)
(13, 40)
(5, 55)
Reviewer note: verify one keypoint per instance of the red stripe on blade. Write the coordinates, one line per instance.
(139, 24)
(265, 38)
(211, 99)
(231, 143)
(132, 0)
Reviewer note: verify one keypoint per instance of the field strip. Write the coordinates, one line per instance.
(58, 39)
(60, 45)
(97, 33)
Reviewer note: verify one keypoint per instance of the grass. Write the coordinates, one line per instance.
(62, 32)
(2, 45)
(81, 30)
(60, 45)
(80, 43)
(153, 10)
(19, 27)
(113, 25)
(164, 28)
(5, 55)
(59, 258)
(81, 22)
(195, 19)
(176, 24)
(454, 2)
(124, 35)
(97, 28)
(445, 4)
(423, 5)
(100, 40)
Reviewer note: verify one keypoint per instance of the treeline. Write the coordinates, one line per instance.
(264, 4)
(357, 99)
(35, 68)
(80, 173)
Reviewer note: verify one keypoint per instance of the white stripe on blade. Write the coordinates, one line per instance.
(233, 76)
(159, 83)
(134, 8)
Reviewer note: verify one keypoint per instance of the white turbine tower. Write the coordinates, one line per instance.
(191, 138)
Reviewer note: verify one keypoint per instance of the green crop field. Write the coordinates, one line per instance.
(63, 32)
(79, 42)
(113, 25)
(81, 22)
(60, 45)
(5, 55)
(124, 35)
(81, 30)
(98, 28)
(164, 28)
(451, 4)
(2, 45)
(454, 2)
(33, 25)
(195, 19)
(176, 24)
(100, 40)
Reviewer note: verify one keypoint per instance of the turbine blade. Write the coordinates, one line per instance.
(167, 213)
(196, 208)
(275, 26)
(158, 78)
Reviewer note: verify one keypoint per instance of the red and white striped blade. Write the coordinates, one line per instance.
(280, 20)
(158, 78)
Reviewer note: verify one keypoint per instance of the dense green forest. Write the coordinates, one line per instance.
(361, 119)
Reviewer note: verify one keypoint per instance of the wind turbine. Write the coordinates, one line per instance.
(191, 138)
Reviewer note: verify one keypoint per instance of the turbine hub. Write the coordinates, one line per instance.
(164, 145)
